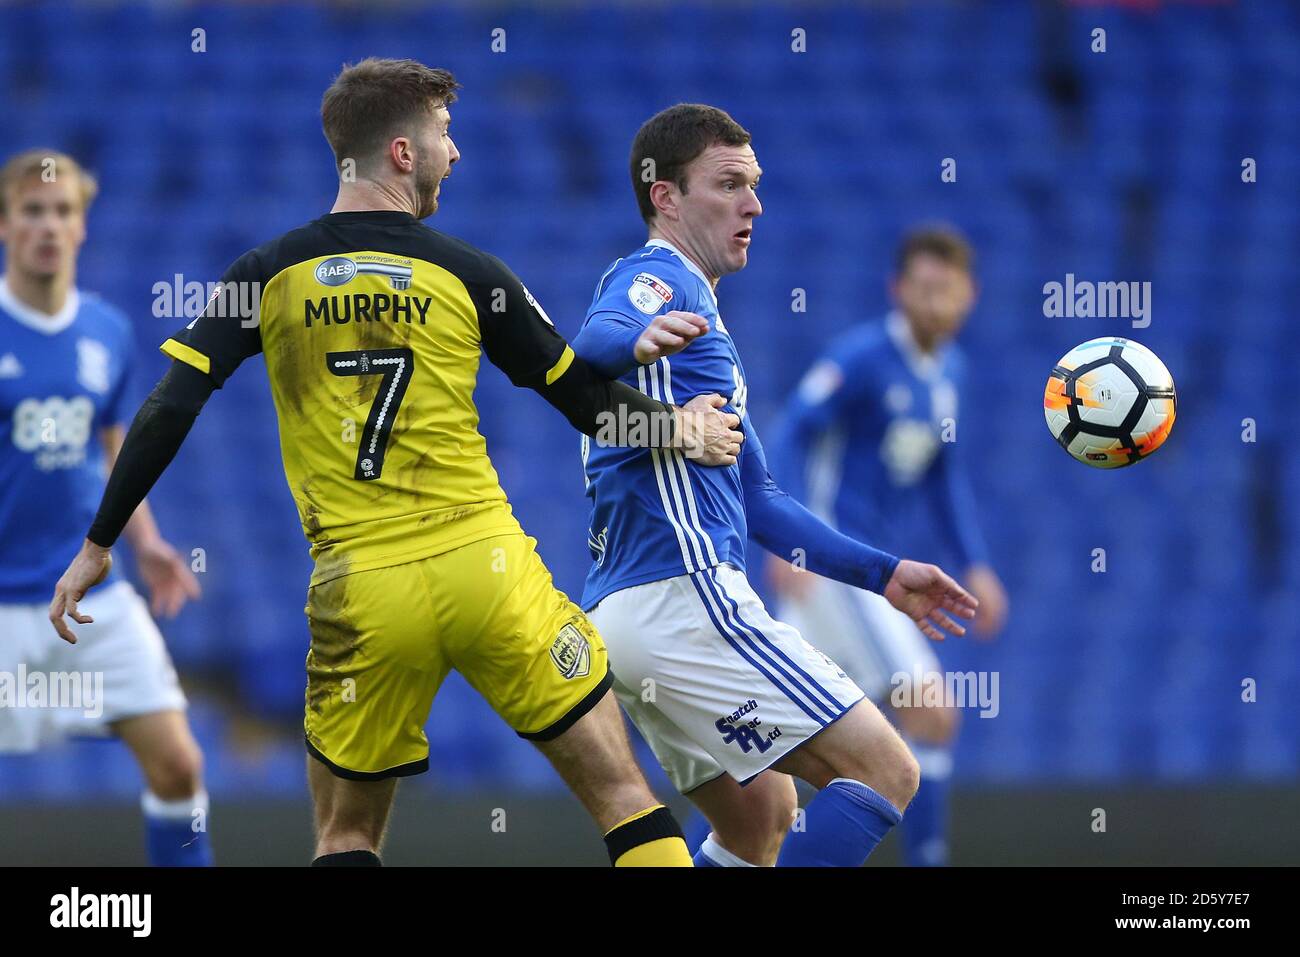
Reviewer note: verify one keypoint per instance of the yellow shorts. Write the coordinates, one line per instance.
(382, 641)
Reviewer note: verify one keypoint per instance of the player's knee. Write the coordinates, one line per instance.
(906, 779)
(897, 777)
(782, 816)
(176, 772)
(768, 827)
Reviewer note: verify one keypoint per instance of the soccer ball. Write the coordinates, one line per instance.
(1110, 402)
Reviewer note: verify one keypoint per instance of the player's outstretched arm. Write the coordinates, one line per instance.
(155, 436)
(930, 597)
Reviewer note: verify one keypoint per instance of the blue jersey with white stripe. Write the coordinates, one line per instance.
(656, 515)
(869, 442)
(62, 381)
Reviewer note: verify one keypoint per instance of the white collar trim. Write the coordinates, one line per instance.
(25, 315)
(925, 366)
(686, 261)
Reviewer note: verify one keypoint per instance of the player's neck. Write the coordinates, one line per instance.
(366, 196)
(658, 232)
(926, 345)
(44, 294)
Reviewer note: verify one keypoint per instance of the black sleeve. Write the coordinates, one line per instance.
(521, 341)
(151, 443)
(228, 330)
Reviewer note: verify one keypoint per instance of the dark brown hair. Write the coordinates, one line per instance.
(943, 242)
(671, 139)
(370, 102)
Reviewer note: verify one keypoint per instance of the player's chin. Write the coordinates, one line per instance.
(46, 266)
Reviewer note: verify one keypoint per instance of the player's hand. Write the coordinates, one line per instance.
(929, 597)
(87, 570)
(705, 434)
(169, 579)
(668, 335)
(789, 581)
(985, 585)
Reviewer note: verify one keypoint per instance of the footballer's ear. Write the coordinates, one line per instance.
(664, 197)
(401, 155)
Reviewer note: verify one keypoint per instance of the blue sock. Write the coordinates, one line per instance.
(842, 824)
(176, 832)
(925, 835)
(703, 860)
(697, 829)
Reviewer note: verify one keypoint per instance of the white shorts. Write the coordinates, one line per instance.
(49, 689)
(711, 680)
(869, 637)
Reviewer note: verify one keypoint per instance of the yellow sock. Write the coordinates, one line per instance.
(649, 838)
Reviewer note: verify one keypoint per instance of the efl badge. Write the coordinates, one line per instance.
(649, 293)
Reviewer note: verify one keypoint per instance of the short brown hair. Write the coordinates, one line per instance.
(49, 165)
(941, 241)
(370, 102)
(671, 139)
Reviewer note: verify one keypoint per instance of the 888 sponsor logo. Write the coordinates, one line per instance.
(55, 429)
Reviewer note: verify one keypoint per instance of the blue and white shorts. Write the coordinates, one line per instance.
(119, 668)
(712, 681)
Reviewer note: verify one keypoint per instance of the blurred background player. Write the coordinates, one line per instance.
(730, 700)
(64, 360)
(870, 442)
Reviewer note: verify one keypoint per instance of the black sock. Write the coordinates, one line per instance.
(348, 859)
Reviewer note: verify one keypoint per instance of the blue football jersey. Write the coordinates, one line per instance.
(869, 443)
(655, 514)
(62, 380)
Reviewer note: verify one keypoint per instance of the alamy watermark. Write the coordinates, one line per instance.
(949, 689)
(226, 300)
(78, 690)
(633, 429)
(1084, 299)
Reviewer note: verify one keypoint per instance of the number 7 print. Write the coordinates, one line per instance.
(396, 366)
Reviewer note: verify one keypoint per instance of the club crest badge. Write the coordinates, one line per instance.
(571, 653)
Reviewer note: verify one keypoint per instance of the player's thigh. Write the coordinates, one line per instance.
(862, 746)
(520, 642)
(703, 650)
(124, 659)
(25, 648)
(594, 758)
(376, 661)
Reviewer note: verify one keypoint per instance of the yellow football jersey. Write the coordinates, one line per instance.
(371, 324)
